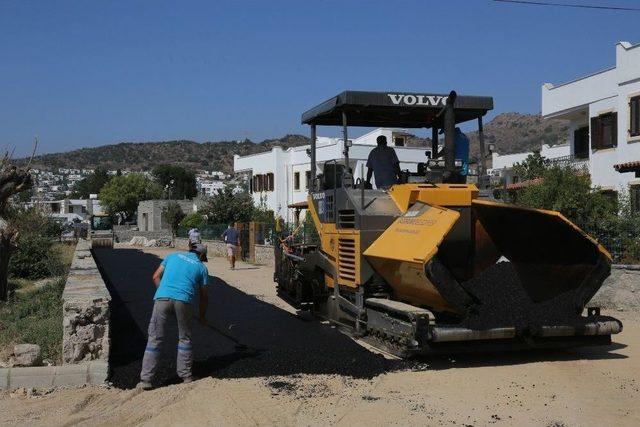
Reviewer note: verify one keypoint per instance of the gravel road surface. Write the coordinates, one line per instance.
(308, 373)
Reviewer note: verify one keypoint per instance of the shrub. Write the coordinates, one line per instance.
(194, 219)
(35, 258)
(36, 318)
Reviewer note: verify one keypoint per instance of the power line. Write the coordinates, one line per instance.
(581, 6)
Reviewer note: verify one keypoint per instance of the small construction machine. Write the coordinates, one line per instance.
(428, 265)
(101, 231)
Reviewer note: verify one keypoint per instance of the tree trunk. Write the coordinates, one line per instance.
(6, 248)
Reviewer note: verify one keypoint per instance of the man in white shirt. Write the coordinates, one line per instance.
(194, 236)
(384, 163)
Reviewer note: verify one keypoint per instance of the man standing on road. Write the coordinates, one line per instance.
(177, 279)
(232, 237)
(383, 161)
(194, 236)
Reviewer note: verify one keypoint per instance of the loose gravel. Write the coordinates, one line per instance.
(504, 302)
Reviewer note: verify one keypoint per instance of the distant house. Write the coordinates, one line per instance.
(70, 210)
(502, 164)
(151, 217)
(603, 110)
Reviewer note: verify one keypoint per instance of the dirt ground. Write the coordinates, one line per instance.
(307, 373)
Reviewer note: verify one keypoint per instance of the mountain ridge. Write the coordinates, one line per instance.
(510, 132)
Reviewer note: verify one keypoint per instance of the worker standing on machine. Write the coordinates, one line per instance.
(462, 153)
(383, 161)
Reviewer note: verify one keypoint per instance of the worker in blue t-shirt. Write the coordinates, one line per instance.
(462, 151)
(177, 279)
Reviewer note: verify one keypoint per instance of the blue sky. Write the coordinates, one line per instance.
(89, 73)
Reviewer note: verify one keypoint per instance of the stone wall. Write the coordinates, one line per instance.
(621, 290)
(85, 310)
(124, 236)
(214, 247)
(264, 255)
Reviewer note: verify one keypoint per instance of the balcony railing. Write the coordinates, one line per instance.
(571, 161)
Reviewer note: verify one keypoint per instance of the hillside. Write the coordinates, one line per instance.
(510, 132)
(146, 155)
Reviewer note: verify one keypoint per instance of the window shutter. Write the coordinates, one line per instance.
(596, 133)
(634, 116)
(614, 129)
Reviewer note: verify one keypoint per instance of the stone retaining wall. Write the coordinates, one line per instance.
(265, 255)
(124, 235)
(214, 247)
(621, 290)
(85, 310)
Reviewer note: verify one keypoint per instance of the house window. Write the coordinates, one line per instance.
(307, 179)
(581, 143)
(634, 116)
(635, 197)
(270, 181)
(604, 131)
(296, 181)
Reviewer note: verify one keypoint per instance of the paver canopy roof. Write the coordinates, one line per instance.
(394, 109)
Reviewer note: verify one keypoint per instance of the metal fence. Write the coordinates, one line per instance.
(622, 241)
(207, 231)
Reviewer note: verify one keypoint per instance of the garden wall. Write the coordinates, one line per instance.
(85, 310)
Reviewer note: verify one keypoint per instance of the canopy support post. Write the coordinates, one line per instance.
(482, 164)
(313, 157)
(434, 142)
(345, 138)
(449, 139)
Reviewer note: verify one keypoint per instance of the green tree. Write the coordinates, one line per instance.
(569, 192)
(194, 219)
(532, 167)
(178, 182)
(121, 195)
(34, 256)
(92, 184)
(173, 214)
(227, 207)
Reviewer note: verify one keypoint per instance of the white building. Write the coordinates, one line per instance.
(70, 210)
(502, 165)
(604, 114)
(279, 178)
(209, 187)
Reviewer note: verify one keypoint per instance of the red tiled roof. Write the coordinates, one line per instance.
(628, 166)
(522, 184)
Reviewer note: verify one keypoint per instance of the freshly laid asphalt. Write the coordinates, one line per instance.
(287, 344)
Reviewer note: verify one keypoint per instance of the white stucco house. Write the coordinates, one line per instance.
(603, 110)
(502, 164)
(280, 178)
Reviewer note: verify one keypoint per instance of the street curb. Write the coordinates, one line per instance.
(92, 373)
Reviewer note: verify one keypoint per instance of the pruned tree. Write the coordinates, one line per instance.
(173, 214)
(13, 180)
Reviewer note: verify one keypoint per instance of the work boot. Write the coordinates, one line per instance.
(144, 385)
(187, 380)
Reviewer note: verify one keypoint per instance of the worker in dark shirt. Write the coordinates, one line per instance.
(384, 163)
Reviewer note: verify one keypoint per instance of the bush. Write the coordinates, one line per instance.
(35, 258)
(35, 318)
(194, 219)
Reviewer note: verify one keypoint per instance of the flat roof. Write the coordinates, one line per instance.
(394, 109)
